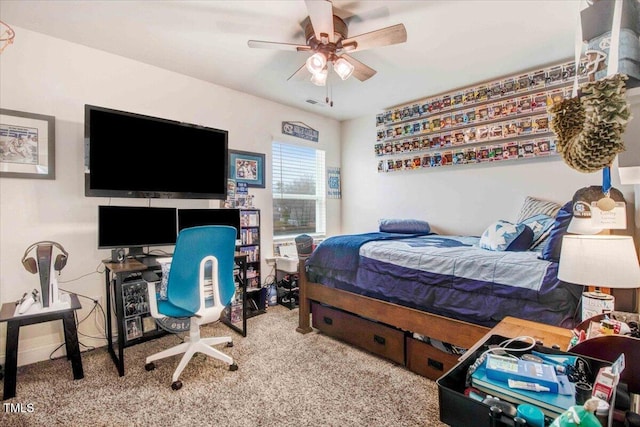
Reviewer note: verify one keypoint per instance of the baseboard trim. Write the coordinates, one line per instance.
(42, 353)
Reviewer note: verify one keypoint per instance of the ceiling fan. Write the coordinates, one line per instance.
(326, 35)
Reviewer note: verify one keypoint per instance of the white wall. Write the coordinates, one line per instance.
(457, 199)
(40, 74)
(44, 75)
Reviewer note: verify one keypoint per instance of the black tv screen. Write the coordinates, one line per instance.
(132, 155)
(136, 227)
(197, 217)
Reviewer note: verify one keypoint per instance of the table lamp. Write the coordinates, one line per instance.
(601, 261)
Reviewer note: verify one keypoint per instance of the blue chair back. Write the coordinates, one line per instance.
(193, 244)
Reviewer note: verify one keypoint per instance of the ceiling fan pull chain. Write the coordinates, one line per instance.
(331, 95)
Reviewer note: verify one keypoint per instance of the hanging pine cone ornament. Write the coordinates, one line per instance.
(567, 118)
(589, 128)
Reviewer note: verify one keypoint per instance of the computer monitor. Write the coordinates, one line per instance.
(197, 217)
(136, 227)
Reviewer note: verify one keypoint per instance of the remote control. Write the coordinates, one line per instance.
(26, 304)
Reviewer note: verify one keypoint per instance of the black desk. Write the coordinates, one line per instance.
(13, 329)
(119, 276)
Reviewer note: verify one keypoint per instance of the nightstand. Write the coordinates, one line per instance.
(511, 327)
(14, 322)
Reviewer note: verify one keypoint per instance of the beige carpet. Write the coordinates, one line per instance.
(284, 379)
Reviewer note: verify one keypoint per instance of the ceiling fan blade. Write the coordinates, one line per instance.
(382, 37)
(348, 16)
(277, 45)
(321, 15)
(361, 71)
(300, 74)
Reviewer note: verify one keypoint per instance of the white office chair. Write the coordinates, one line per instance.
(199, 286)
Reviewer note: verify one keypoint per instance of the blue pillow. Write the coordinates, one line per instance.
(551, 251)
(541, 225)
(404, 226)
(505, 236)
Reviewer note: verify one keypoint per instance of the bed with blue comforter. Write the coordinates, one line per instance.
(447, 291)
(449, 276)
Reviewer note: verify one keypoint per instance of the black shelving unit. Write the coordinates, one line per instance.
(234, 314)
(250, 246)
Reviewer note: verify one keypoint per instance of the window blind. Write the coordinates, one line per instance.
(299, 192)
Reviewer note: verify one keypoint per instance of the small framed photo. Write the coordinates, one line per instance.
(133, 328)
(27, 145)
(148, 324)
(247, 167)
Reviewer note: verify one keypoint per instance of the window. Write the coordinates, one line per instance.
(298, 190)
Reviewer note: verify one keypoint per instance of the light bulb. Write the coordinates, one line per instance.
(316, 62)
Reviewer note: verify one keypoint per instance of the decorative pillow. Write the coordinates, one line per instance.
(533, 206)
(407, 226)
(541, 225)
(505, 236)
(551, 251)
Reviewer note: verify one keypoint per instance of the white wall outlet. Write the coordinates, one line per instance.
(270, 261)
(98, 298)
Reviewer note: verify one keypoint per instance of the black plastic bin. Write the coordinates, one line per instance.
(458, 410)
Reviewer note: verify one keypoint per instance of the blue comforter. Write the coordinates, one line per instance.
(446, 275)
(343, 252)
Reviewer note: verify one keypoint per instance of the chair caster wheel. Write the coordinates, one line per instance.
(150, 366)
(233, 367)
(176, 385)
(230, 344)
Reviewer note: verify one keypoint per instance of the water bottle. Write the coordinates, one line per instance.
(272, 295)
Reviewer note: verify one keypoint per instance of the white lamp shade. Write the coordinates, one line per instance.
(316, 63)
(603, 261)
(343, 68)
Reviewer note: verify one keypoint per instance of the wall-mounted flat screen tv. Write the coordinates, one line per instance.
(133, 155)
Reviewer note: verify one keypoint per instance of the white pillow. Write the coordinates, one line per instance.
(533, 206)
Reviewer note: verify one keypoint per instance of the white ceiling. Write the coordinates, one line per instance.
(450, 44)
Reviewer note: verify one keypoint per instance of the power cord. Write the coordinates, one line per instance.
(97, 307)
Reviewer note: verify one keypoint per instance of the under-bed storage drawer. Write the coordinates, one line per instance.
(371, 336)
(428, 361)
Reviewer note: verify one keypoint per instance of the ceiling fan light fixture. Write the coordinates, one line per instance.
(343, 68)
(316, 63)
(320, 78)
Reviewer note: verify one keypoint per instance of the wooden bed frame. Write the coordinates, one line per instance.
(456, 332)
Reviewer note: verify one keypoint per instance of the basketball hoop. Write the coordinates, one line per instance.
(6, 35)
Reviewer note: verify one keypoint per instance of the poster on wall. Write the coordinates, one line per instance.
(333, 183)
(246, 167)
(27, 143)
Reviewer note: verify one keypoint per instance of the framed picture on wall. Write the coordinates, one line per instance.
(247, 167)
(27, 145)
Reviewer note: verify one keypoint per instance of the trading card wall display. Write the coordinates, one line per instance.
(505, 119)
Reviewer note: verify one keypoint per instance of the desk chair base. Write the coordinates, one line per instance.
(193, 344)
